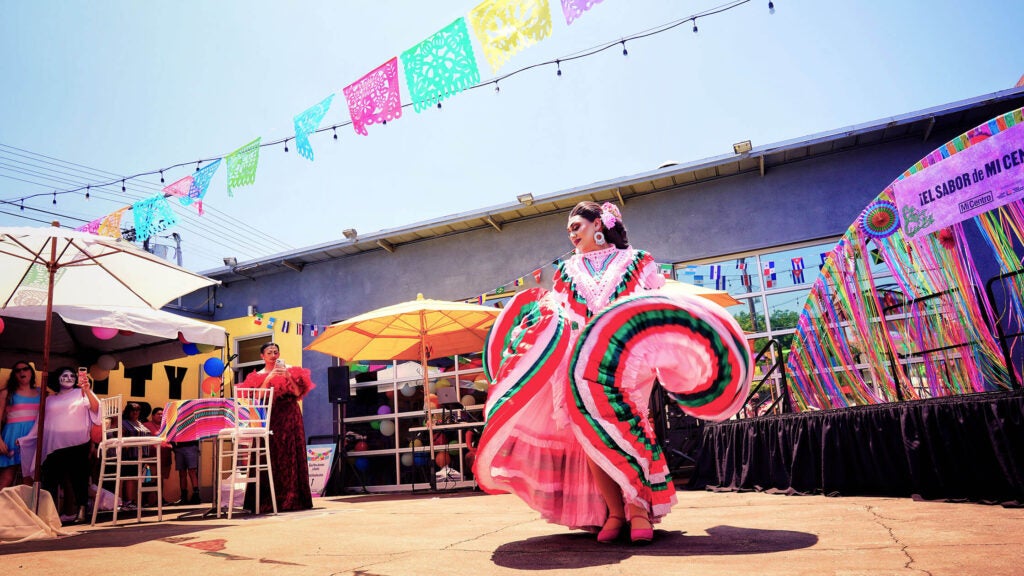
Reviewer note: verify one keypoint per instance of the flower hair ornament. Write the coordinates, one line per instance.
(610, 214)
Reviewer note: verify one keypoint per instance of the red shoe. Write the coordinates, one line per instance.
(608, 535)
(641, 535)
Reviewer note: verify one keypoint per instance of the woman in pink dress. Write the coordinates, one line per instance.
(19, 406)
(288, 441)
(572, 372)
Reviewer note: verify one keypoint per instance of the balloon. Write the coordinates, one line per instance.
(107, 362)
(1, 325)
(190, 349)
(481, 385)
(182, 339)
(382, 410)
(375, 424)
(211, 385)
(406, 459)
(213, 366)
(387, 427)
(362, 464)
(421, 458)
(453, 447)
(468, 400)
(205, 348)
(361, 445)
(417, 443)
(125, 332)
(442, 459)
(432, 399)
(96, 433)
(104, 333)
(408, 390)
(98, 373)
(443, 383)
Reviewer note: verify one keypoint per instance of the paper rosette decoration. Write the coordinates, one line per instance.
(573, 9)
(374, 98)
(505, 27)
(307, 123)
(440, 66)
(242, 165)
(880, 219)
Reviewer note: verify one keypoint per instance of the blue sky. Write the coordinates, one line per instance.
(94, 90)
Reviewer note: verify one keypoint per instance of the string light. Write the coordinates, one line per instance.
(22, 204)
(771, 7)
(87, 192)
(497, 88)
(54, 197)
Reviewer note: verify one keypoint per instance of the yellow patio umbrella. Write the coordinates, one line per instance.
(720, 297)
(419, 330)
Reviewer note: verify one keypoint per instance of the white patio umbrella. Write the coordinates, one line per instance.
(48, 266)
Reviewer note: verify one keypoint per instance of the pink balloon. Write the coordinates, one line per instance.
(1, 325)
(104, 333)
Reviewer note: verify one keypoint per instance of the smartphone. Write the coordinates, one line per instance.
(83, 374)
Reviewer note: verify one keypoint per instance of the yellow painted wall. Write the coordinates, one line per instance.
(157, 392)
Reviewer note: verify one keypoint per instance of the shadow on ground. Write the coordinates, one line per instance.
(578, 550)
(121, 536)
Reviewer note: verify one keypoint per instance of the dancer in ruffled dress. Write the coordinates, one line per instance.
(19, 406)
(572, 372)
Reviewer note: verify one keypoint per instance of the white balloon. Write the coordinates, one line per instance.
(408, 390)
(387, 427)
(406, 459)
(468, 400)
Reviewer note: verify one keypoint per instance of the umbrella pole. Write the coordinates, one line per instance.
(51, 268)
(426, 396)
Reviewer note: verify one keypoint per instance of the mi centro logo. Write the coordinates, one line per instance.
(976, 202)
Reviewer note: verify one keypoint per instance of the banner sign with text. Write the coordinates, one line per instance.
(983, 177)
(320, 457)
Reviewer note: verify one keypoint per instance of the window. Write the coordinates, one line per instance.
(248, 350)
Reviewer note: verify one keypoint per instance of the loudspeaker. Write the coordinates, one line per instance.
(337, 384)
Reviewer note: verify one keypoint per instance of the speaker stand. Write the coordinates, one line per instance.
(341, 466)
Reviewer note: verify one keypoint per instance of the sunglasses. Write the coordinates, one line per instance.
(22, 369)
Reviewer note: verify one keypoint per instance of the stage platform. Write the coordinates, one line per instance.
(959, 448)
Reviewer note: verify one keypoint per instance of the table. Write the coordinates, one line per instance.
(458, 427)
(199, 419)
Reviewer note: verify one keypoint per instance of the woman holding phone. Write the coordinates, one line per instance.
(288, 441)
(70, 416)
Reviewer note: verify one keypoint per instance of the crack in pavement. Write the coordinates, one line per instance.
(904, 548)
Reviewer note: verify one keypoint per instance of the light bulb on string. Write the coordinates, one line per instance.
(335, 128)
(22, 204)
(694, 25)
(497, 89)
(285, 144)
(54, 197)
(624, 51)
(86, 192)
(122, 187)
(198, 162)
(161, 176)
(771, 7)
(558, 65)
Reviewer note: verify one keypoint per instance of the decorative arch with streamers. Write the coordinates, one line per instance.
(929, 330)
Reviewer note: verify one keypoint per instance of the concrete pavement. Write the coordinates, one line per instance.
(476, 534)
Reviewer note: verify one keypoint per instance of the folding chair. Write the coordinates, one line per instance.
(247, 446)
(111, 449)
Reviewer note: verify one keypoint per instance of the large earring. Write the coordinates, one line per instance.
(599, 238)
